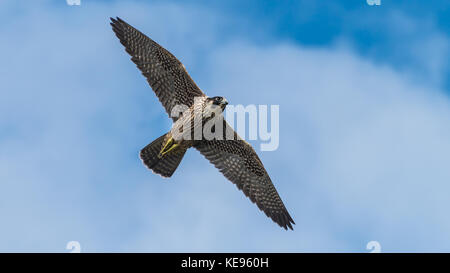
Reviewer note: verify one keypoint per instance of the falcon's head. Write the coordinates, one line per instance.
(217, 102)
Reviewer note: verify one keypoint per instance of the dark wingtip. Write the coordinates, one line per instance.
(118, 26)
(283, 219)
(289, 224)
(113, 21)
(116, 19)
(286, 221)
(116, 22)
(290, 221)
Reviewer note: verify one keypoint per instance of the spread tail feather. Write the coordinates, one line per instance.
(163, 165)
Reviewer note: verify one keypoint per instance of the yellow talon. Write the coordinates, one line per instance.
(170, 149)
(170, 145)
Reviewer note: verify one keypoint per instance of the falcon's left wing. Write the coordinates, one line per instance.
(240, 164)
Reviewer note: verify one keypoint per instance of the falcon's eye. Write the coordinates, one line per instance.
(217, 100)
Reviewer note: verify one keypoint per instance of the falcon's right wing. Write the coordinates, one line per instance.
(165, 73)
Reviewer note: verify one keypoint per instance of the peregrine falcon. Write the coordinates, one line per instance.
(173, 86)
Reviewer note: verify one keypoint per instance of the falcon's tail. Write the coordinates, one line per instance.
(161, 159)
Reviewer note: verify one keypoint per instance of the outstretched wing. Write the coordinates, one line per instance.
(240, 164)
(165, 73)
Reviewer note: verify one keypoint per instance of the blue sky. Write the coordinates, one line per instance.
(364, 126)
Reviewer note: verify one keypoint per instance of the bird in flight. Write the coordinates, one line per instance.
(233, 156)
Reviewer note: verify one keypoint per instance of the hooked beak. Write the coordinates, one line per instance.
(223, 104)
